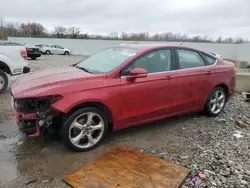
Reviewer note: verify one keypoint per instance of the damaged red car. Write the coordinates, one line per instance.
(118, 88)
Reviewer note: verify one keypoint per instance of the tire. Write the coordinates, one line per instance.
(212, 100)
(33, 58)
(4, 81)
(47, 52)
(84, 113)
(66, 53)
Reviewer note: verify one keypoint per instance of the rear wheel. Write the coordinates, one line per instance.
(47, 52)
(3, 81)
(33, 58)
(216, 102)
(85, 129)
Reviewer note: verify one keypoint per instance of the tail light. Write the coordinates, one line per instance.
(28, 49)
(24, 54)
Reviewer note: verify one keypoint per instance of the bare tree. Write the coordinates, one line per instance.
(74, 32)
(219, 39)
(60, 31)
(114, 35)
(32, 29)
(228, 40)
(124, 36)
(12, 30)
(239, 40)
(38, 30)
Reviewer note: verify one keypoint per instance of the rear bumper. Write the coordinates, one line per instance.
(34, 54)
(21, 70)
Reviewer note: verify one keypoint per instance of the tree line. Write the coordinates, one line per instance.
(39, 31)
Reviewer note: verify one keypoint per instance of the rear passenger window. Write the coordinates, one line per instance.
(189, 59)
(209, 59)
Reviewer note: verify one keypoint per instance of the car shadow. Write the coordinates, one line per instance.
(172, 123)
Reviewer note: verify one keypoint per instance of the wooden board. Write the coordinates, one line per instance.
(126, 167)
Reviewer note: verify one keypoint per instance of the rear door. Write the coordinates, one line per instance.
(150, 97)
(194, 74)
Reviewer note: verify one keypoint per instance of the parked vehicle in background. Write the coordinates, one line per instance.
(13, 61)
(33, 52)
(118, 88)
(54, 49)
(39, 45)
(216, 55)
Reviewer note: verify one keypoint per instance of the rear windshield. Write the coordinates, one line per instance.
(107, 60)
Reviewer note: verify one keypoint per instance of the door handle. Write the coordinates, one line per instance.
(208, 73)
(168, 78)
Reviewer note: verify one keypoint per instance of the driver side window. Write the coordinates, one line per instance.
(152, 62)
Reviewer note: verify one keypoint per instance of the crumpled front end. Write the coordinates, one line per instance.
(34, 115)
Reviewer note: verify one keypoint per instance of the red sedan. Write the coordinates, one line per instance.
(118, 88)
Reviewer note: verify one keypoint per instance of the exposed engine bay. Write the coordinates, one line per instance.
(35, 115)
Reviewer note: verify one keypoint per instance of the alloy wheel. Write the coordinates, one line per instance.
(86, 130)
(217, 101)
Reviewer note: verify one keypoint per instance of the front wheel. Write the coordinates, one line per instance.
(33, 58)
(216, 102)
(47, 52)
(66, 53)
(3, 81)
(85, 129)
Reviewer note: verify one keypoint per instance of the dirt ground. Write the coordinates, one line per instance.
(193, 140)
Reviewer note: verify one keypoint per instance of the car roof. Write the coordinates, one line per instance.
(54, 45)
(155, 46)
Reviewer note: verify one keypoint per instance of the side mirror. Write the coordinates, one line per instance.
(137, 73)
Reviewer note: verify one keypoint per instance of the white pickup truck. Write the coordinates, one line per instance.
(13, 61)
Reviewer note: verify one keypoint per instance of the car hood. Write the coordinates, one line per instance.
(54, 81)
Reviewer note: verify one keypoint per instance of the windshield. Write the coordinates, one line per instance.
(107, 60)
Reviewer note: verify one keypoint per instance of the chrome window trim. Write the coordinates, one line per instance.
(178, 69)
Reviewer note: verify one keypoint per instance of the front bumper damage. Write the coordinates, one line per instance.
(33, 124)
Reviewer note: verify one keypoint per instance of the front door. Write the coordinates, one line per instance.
(53, 49)
(148, 98)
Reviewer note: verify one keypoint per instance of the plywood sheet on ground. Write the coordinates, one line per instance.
(126, 167)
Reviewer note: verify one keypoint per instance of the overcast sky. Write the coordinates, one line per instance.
(194, 17)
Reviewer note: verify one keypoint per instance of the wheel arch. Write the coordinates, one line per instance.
(4, 67)
(224, 86)
(94, 104)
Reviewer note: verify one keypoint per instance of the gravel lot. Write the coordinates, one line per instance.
(207, 145)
